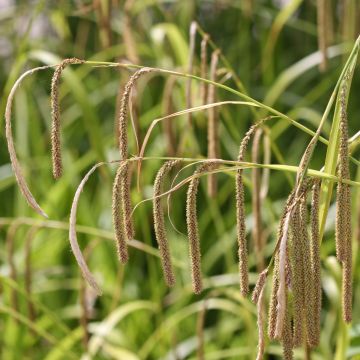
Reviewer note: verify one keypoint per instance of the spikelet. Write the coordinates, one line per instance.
(322, 32)
(256, 202)
(188, 94)
(55, 115)
(213, 126)
(192, 225)
(343, 201)
(159, 222)
(203, 68)
(287, 338)
(118, 212)
(314, 326)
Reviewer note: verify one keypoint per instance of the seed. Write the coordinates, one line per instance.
(55, 115)
(159, 222)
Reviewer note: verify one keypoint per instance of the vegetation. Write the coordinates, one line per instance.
(115, 113)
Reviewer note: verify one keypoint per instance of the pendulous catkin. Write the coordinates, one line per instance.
(124, 180)
(298, 284)
(314, 326)
(240, 215)
(256, 201)
(343, 197)
(55, 115)
(213, 125)
(259, 286)
(159, 222)
(273, 299)
(119, 213)
(260, 324)
(192, 225)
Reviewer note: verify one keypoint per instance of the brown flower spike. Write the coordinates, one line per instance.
(159, 222)
(55, 115)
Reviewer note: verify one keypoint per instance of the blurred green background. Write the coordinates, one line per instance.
(272, 47)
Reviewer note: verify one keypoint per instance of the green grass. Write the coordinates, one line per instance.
(273, 61)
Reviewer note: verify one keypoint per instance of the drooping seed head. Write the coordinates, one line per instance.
(159, 222)
(55, 115)
(192, 225)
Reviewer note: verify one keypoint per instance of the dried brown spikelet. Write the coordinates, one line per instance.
(343, 200)
(159, 222)
(192, 225)
(118, 212)
(322, 32)
(257, 234)
(314, 326)
(126, 203)
(287, 335)
(213, 126)
(55, 115)
(298, 285)
(203, 68)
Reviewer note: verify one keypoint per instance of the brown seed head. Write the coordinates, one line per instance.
(55, 115)
(159, 222)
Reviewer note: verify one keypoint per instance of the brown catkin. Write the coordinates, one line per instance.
(192, 225)
(343, 196)
(287, 335)
(203, 68)
(314, 326)
(273, 307)
(260, 324)
(298, 288)
(322, 32)
(124, 180)
(55, 115)
(159, 222)
(240, 215)
(256, 202)
(213, 125)
(118, 213)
